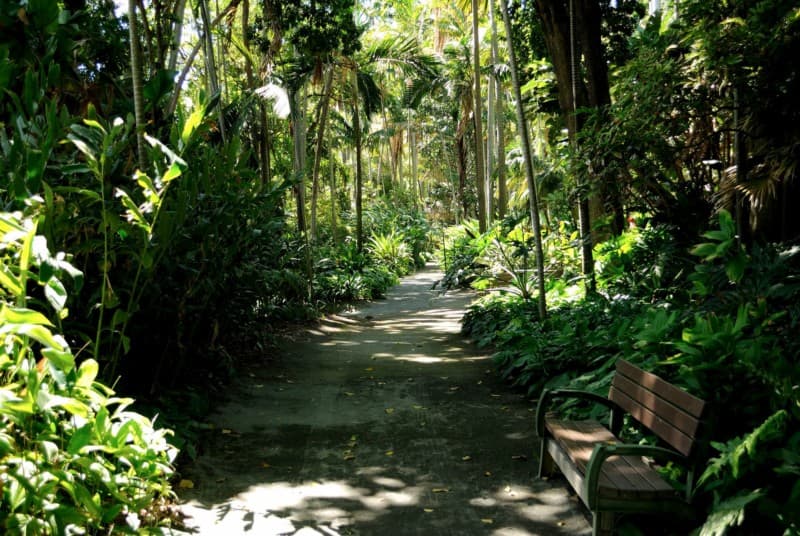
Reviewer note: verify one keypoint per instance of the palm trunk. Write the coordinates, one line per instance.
(138, 91)
(321, 123)
(359, 178)
(526, 152)
(477, 112)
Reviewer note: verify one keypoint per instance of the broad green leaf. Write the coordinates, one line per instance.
(10, 281)
(39, 333)
(94, 124)
(191, 124)
(56, 294)
(172, 173)
(87, 372)
(134, 214)
(64, 360)
(19, 315)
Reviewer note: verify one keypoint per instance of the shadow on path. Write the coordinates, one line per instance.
(382, 421)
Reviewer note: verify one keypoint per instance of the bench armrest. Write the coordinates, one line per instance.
(604, 451)
(548, 395)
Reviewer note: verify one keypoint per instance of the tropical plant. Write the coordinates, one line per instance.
(74, 457)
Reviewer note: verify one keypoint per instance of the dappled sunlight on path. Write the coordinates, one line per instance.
(377, 421)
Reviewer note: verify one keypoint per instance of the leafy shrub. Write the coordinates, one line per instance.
(73, 457)
(391, 250)
(728, 339)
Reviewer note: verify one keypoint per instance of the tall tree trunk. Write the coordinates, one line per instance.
(491, 127)
(502, 184)
(138, 91)
(334, 229)
(211, 64)
(477, 111)
(359, 178)
(177, 34)
(559, 20)
(533, 196)
(322, 121)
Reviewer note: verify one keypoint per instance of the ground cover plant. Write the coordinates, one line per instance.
(74, 457)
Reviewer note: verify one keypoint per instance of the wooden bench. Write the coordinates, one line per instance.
(610, 476)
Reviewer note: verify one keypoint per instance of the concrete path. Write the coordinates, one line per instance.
(382, 421)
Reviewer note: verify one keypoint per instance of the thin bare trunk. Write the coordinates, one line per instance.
(526, 152)
(322, 120)
(136, 77)
(177, 34)
(359, 178)
(478, 120)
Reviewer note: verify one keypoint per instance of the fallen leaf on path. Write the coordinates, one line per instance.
(186, 484)
(466, 458)
(389, 411)
(487, 521)
(440, 490)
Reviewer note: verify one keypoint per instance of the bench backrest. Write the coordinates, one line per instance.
(668, 411)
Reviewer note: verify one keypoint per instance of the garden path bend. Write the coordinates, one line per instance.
(380, 421)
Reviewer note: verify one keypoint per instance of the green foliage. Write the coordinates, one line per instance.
(391, 250)
(723, 330)
(73, 456)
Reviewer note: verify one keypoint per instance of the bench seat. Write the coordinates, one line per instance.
(609, 475)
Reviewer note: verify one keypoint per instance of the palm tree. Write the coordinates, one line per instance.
(477, 112)
(138, 84)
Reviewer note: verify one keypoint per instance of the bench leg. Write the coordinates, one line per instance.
(546, 463)
(602, 523)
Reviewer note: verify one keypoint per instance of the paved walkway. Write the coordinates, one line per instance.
(384, 422)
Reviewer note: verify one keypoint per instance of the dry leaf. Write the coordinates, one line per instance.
(487, 521)
(427, 510)
(186, 484)
(390, 453)
(466, 458)
(440, 490)
(349, 456)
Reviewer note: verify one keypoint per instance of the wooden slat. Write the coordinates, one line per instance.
(662, 408)
(621, 477)
(677, 439)
(678, 397)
